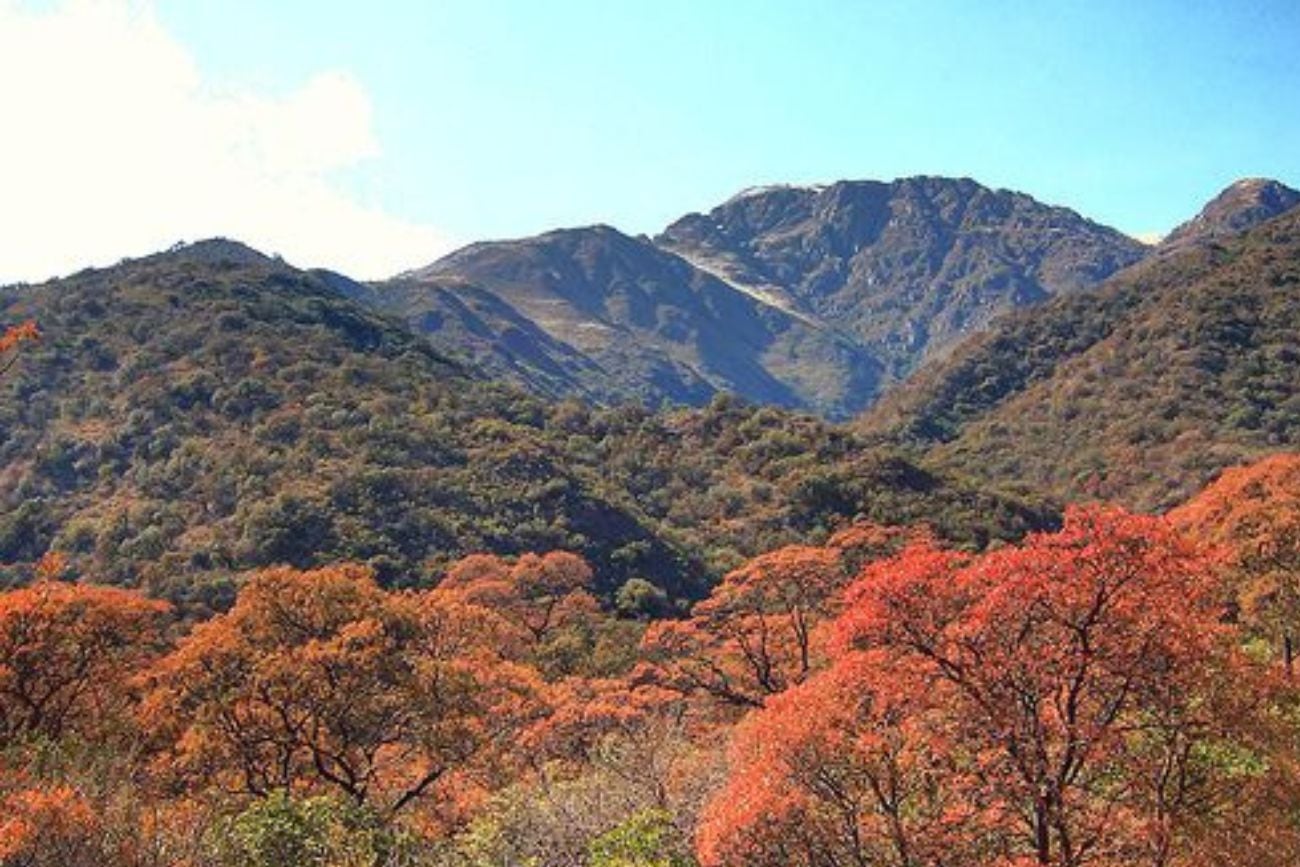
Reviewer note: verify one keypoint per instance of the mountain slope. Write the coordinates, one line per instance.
(813, 298)
(599, 314)
(477, 325)
(208, 410)
(188, 415)
(908, 267)
(1139, 391)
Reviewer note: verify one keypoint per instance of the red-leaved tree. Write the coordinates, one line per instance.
(68, 653)
(1073, 700)
(322, 680)
(755, 635)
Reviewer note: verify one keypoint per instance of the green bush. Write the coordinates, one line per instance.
(281, 830)
(645, 839)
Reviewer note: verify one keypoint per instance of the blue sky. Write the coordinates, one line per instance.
(492, 119)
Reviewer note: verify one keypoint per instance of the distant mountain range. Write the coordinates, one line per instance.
(815, 298)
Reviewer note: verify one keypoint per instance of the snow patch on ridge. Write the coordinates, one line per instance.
(750, 192)
(769, 296)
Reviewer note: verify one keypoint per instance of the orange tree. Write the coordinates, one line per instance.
(754, 636)
(68, 653)
(1074, 700)
(840, 770)
(546, 598)
(1254, 513)
(11, 338)
(539, 593)
(320, 680)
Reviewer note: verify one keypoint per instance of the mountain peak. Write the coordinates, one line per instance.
(1256, 185)
(209, 251)
(766, 189)
(908, 267)
(1243, 205)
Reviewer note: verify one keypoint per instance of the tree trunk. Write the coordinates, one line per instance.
(1042, 838)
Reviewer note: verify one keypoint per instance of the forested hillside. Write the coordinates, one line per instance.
(659, 434)
(286, 584)
(1139, 391)
(195, 414)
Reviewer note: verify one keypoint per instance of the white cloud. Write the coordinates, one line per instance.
(112, 144)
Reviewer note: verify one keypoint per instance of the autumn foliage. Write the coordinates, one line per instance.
(321, 680)
(1089, 697)
(48, 826)
(68, 653)
(539, 594)
(1063, 702)
(755, 636)
(11, 338)
(1253, 513)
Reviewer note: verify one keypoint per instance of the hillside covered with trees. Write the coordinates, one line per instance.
(1111, 693)
(649, 434)
(192, 415)
(1139, 392)
(285, 585)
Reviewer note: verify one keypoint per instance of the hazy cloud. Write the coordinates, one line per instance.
(113, 145)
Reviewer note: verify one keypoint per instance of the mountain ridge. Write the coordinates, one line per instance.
(830, 292)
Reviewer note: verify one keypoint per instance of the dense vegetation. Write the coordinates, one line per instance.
(1140, 391)
(199, 413)
(1086, 697)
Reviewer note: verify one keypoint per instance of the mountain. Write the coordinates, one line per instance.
(208, 410)
(1139, 391)
(598, 314)
(813, 298)
(1242, 206)
(908, 267)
